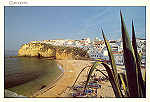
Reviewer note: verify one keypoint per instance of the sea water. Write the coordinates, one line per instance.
(26, 75)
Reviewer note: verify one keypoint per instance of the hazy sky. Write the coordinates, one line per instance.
(24, 24)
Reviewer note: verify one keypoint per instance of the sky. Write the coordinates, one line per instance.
(25, 24)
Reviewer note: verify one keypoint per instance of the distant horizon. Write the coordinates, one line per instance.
(25, 24)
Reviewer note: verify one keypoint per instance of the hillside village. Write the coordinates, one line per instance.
(97, 49)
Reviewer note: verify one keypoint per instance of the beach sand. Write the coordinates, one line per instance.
(71, 70)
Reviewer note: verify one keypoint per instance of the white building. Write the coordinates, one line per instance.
(141, 45)
(95, 53)
(117, 51)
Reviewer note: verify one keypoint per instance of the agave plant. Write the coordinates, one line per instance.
(131, 81)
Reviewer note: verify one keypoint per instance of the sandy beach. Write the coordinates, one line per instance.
(71, 70)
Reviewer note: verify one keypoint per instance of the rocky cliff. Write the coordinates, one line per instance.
(51, 51)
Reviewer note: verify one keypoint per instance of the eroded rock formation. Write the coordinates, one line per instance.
(51, 51)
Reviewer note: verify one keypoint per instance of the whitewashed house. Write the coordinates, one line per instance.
(141, 46)
(117, 51)
(94, 53)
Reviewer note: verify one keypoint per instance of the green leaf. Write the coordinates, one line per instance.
(102, 72)
(90, 73)
(79, 75)
(122, 78)
(138, 62)
(144, 77)
(113, 65)
(130, 62)
(112, 81)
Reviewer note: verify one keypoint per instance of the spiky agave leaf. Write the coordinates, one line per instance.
(130, 62)
(111, 57)
(102, 72)
(122, 78)
(138, 61)
(95, 64)
(144, 77)
(112, 81)
(79, 75)
(113, 65)
(90, 73)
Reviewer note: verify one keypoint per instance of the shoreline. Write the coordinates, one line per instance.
(51, 85)
(70, 73)
(61, 89)
(40, 82)
(61, 86)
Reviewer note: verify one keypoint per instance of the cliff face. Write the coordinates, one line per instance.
(47, 50)
(36, 49)
(64, 56)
